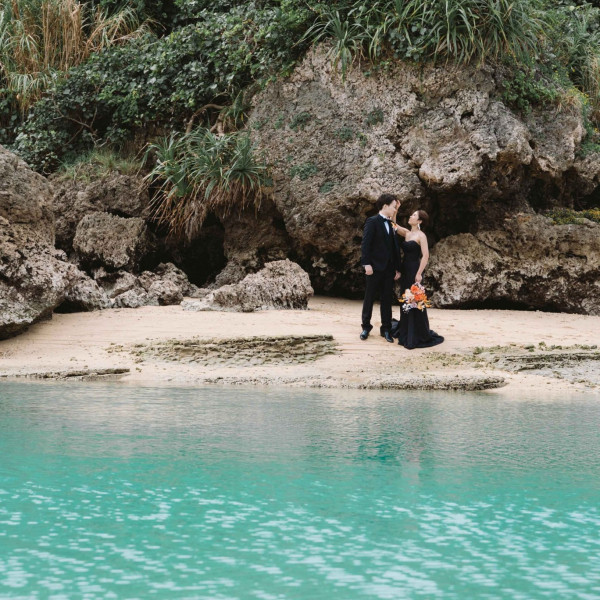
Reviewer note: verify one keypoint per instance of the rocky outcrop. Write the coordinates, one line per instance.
(102, 239)
(166, 285)
(35, 278)
(252, 238)
(439, 137)
(25, 200)
(530, 263)
(281, 284)
(74, 198)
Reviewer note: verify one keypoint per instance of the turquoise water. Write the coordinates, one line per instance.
(110, 491)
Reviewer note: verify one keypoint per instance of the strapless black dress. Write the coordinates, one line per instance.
(413, 329)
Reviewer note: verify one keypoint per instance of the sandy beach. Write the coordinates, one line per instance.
(318, 347)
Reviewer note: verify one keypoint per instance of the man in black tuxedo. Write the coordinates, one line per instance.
(381, 259)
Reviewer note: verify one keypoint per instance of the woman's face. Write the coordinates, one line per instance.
(414, 218)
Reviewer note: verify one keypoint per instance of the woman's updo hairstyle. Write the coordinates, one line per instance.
(423, 217)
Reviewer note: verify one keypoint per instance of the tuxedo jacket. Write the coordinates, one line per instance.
(379, 247)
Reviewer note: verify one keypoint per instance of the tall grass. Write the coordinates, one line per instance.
(458, 30)
(577, 41)
(465, 30)
(199, 172)
(98, 162)
(41, 39)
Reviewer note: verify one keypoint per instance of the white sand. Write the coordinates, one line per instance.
(85, 340)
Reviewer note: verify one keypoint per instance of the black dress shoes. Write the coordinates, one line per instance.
(364, 334)
(388, 337)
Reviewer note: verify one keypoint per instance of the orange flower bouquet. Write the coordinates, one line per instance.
(415, 297)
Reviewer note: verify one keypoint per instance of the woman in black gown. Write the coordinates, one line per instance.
(413, 330)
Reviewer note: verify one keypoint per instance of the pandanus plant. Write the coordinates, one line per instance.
(200, 172)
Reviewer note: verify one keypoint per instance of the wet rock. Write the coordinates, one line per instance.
(70, 375)
(281, 284)
(113, 242)
(437, 382)
(531, 263)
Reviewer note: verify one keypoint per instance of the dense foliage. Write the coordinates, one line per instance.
(191, 70)
(198, 172)
(568, 216)
(156, 82)
(40, 40)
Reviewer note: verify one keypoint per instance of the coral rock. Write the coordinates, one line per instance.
(281, 284)
(114, 242)
(530, 263)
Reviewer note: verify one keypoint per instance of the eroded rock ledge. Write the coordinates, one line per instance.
(529, 262)
(101, 374)
(35, 278)
(257, 350)
(427, 382)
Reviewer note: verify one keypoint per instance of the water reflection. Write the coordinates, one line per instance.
(388, 428)
(220, 493)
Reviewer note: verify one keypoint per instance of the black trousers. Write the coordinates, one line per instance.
(382, 282)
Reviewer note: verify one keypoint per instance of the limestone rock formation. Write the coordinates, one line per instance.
(35, 278)
(441, 138)
(530, 263)
(25, 198)
(83, 294)
(281, 284)
(74, 198)
(102, 239)
(251, 239)
(166, 285)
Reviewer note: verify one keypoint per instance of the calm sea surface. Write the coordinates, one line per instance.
(110, 491)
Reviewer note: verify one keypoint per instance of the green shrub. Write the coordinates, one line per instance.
(155, 83)
(326, 187)
(300, 120)
(460, 30)
(97, 163)
(576, 41)
(525, 87)
(303, 171)
(199, 172)
(568, 216)
(41, 40)
(344, 134)
(374, 117)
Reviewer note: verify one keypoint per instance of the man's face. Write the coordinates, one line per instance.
(390, 209)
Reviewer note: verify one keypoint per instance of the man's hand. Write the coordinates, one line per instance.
(368, 269)
(396, 276)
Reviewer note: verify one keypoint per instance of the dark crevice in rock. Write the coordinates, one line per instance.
(497, 304)
(202, 258)
(68, 306)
